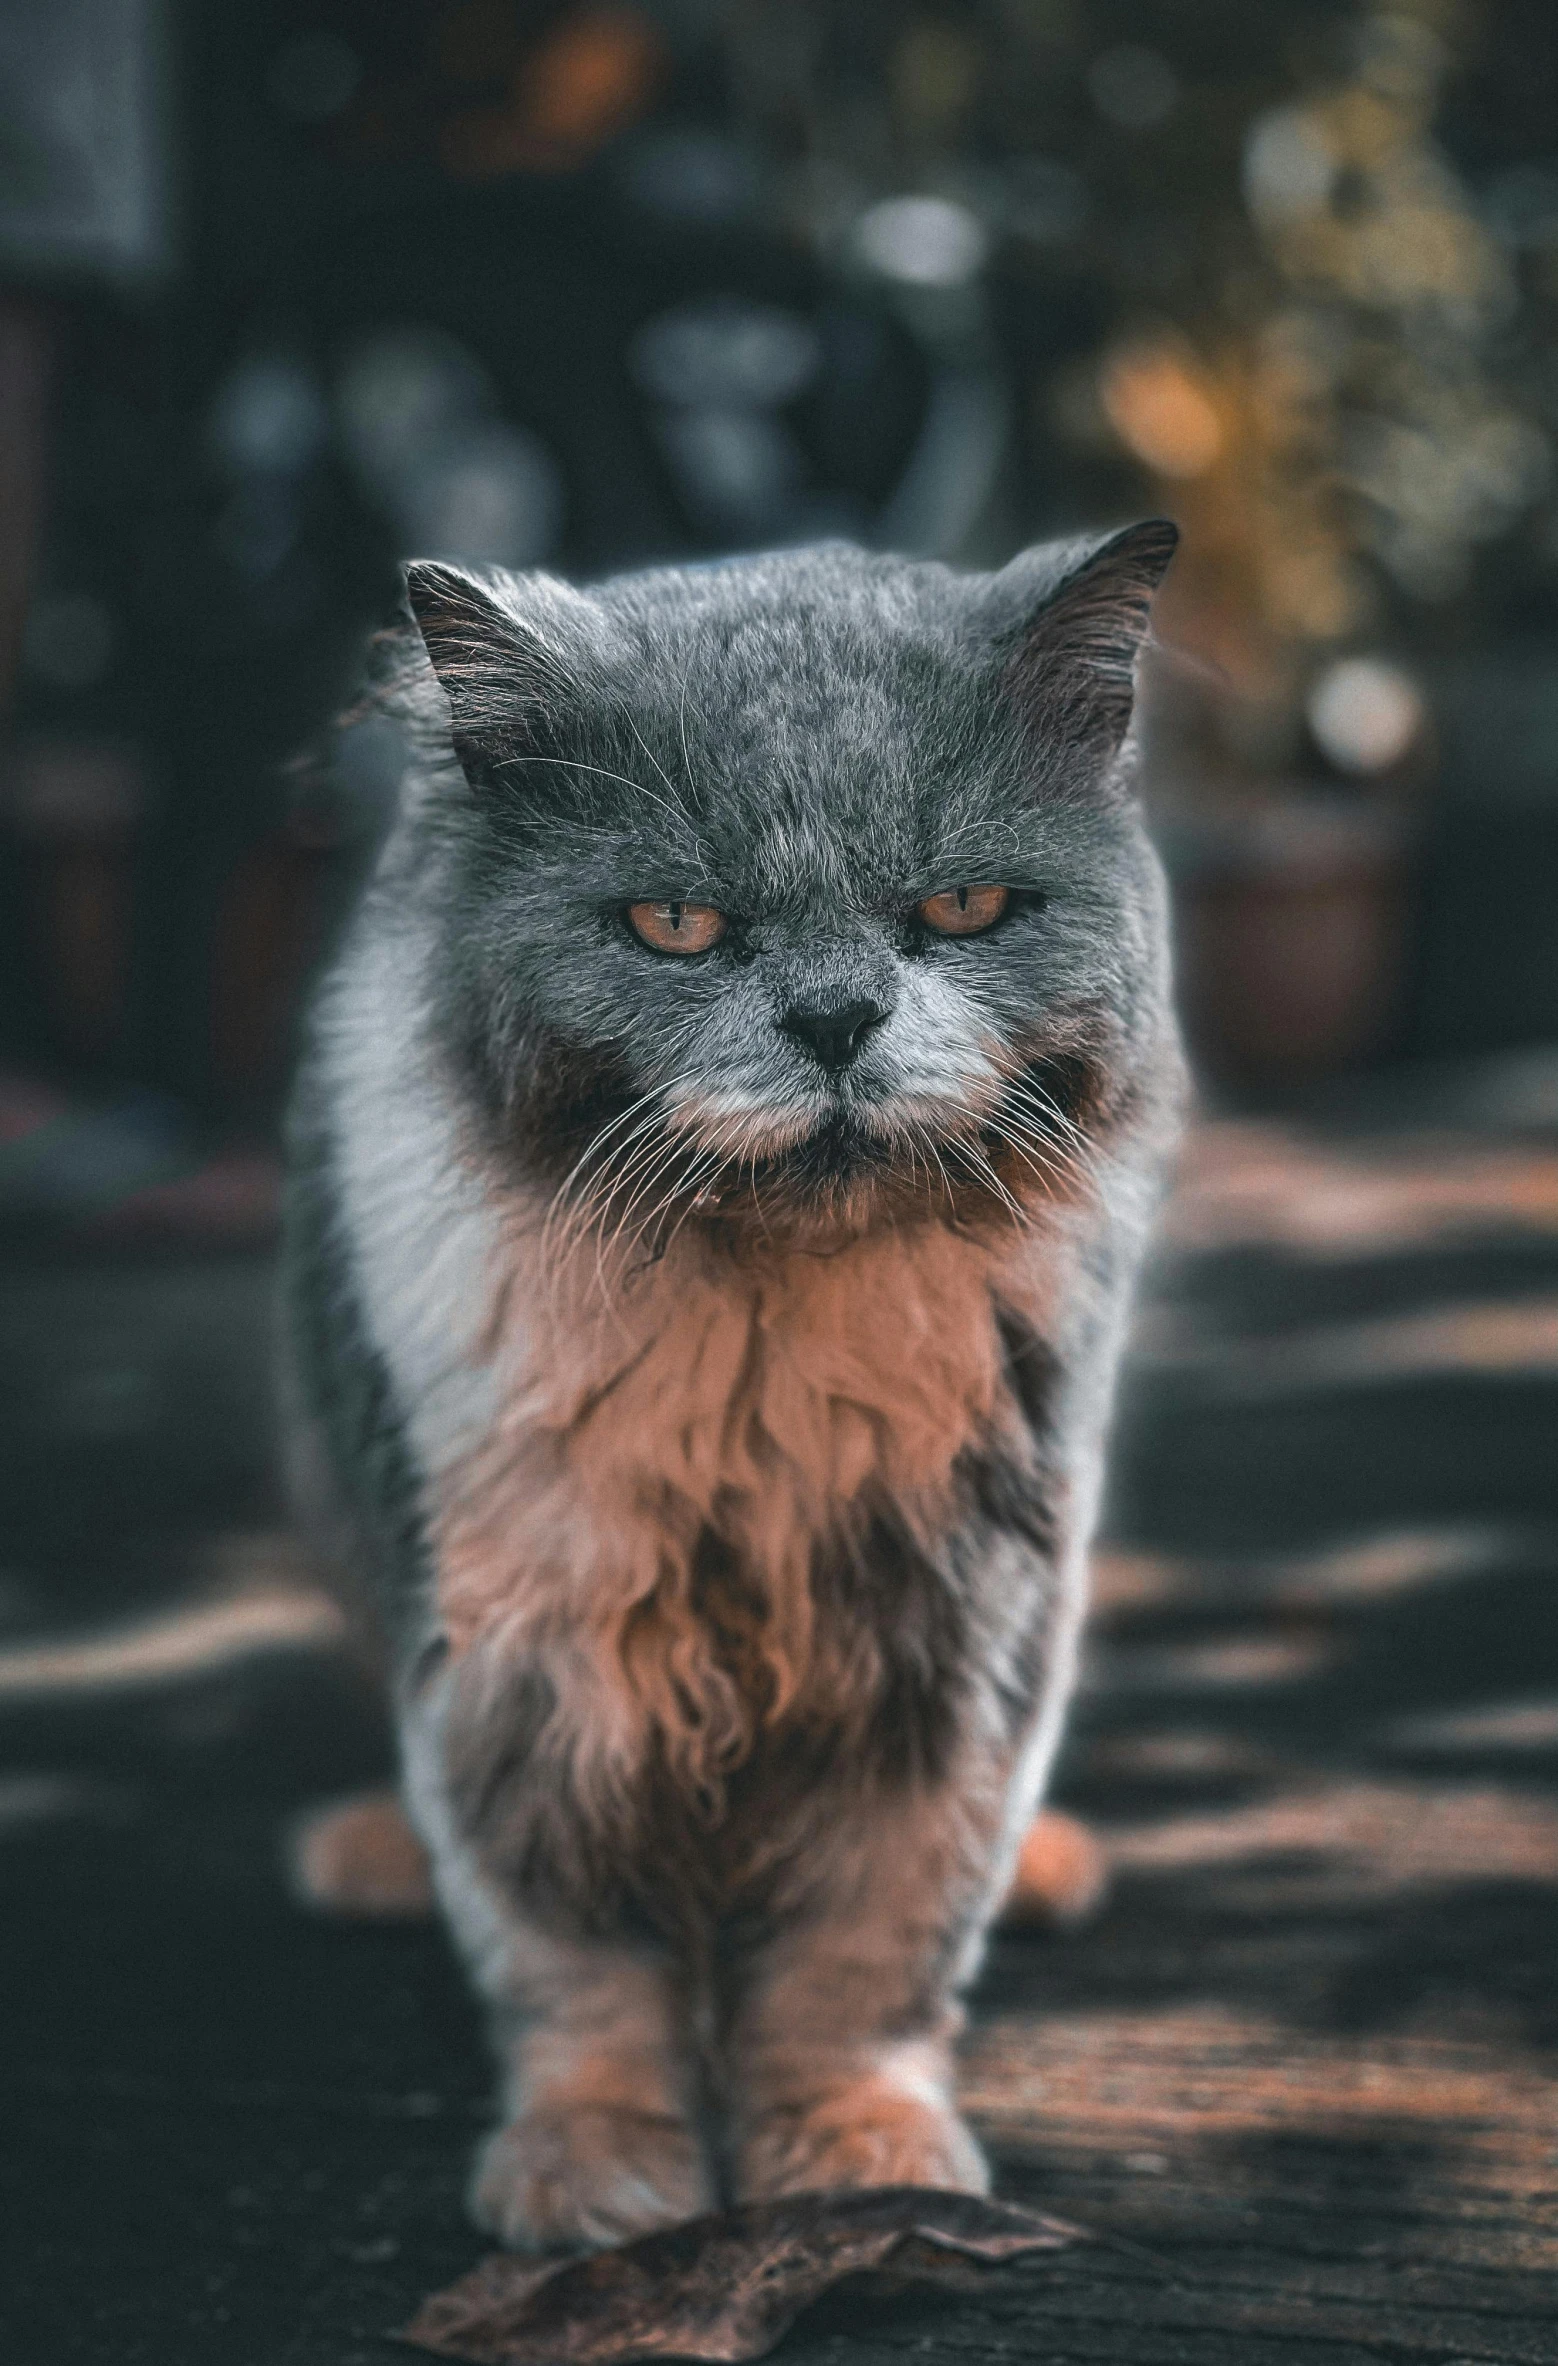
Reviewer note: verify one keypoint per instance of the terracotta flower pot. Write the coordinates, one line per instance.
(1292, 931)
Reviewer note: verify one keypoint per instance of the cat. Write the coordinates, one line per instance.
(718, 1166)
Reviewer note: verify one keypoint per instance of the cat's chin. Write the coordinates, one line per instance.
(849, 1174)
(837, 1157)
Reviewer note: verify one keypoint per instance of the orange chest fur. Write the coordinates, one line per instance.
(755, 1406)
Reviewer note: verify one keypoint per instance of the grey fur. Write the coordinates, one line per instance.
(812, 742)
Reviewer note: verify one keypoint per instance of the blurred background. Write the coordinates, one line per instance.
(292, 289)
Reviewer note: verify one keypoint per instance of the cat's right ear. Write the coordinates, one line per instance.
(1070, 621)
(508, 685)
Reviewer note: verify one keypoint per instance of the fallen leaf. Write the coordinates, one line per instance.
(722, 2288)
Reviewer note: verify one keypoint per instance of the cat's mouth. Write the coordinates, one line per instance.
(838, 1149)
(854, 1162)
(829, 1137)
(831, 1124)
(831, 1164)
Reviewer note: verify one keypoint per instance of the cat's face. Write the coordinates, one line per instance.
(802, 889)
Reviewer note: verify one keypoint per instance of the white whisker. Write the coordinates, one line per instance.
(600, 772)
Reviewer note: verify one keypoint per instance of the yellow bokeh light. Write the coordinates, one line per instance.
(1160, 411)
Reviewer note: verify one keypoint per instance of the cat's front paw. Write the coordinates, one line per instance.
(563, 2178)
(869, 2132)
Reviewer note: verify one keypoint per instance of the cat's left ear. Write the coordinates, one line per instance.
(1069, 622)
(497, 645)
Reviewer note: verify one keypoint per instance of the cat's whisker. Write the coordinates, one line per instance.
(1045, 1171)
(681, 722)
(625, 1156)
(912, 1148)
(757, 1202)
(670, 786)
(663, 1186)
(1030, 1097)
(574, 764)
(1064, 1171)
(934, 1149)
(651, 1175)
(935, 1169)
(966, 853)
(1014, 1115)
(1034, 1154)
(1057, 1156)
(590, 1209)
(1047, 1107)
(982, 1166)
(692, 1188)
(594, 1147)
(623, 1185)
(572, 1212)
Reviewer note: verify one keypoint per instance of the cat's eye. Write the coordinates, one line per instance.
(964, 911)
(678, 928)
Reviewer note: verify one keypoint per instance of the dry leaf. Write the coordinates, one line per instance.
(721, 2288)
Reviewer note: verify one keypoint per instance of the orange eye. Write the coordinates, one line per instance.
(678, 928)
(964, 911)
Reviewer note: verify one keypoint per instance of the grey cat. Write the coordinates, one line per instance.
(725, 1145)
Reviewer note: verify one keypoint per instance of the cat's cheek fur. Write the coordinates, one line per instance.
(936, 1046)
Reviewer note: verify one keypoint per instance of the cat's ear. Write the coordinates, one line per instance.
(1069, 623)
(506, 675)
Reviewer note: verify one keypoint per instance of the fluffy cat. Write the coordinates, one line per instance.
(724, 1148)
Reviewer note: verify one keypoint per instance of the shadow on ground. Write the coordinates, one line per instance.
(1306, 2060)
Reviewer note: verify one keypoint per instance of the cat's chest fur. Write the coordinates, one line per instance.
(682, 1500)
(762, 1405)
(716, 1534)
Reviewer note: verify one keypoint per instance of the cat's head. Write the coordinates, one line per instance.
(801, 890)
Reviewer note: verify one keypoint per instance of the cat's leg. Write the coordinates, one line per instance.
(841, 2023)
(600, 2085)
(1062, 1876)
(599, 2140)
(359, 1857)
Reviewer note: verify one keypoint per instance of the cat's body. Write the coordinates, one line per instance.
(701, 1362)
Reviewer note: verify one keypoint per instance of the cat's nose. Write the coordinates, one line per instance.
(834, 1036)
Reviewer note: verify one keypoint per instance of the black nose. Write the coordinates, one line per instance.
(834, 1036)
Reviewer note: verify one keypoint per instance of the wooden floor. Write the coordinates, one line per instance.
(1300, 2075)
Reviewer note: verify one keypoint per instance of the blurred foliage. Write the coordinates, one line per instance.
(1318, 345)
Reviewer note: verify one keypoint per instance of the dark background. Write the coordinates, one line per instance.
(289, 291)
